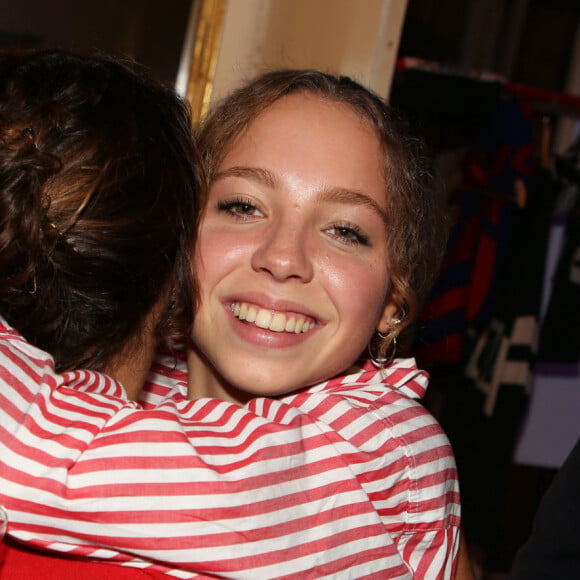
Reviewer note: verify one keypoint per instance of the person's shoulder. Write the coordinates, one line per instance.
(377, 422)
(9, 334)
(32, 369)
(368, 389)
(18, 351)
(382, 402)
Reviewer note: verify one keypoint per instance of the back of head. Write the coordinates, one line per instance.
(98, 203)
(415, 208)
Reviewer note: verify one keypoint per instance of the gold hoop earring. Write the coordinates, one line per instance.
(381, 361)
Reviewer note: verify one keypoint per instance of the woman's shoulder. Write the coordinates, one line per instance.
(31, 371)
(19, 357)
(390, 440)
(376, 409)
(389, 396)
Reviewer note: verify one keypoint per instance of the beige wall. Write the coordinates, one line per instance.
(359, 38)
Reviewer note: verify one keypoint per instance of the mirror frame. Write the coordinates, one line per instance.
(209, 16)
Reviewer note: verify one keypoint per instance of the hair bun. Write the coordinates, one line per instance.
(24, 222)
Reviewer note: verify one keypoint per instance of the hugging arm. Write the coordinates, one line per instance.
(200, 486)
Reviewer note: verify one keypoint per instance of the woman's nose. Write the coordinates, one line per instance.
(284, 254)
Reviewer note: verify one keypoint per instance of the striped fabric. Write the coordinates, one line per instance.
(351, 478)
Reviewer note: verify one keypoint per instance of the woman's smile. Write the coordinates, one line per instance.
(273, 320)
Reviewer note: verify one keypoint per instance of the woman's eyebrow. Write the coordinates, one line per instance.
(330, 194)
(342, 195)
(253, 173)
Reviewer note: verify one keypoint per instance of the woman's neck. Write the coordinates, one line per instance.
(131, 369)
(204, 382)
(131, 366)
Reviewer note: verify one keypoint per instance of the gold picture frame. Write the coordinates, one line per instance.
(207, 33)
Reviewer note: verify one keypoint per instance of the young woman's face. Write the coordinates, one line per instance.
(292, 259)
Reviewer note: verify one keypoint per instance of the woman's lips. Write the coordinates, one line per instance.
(273, 320)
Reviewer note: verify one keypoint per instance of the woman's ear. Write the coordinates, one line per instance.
(390, 311)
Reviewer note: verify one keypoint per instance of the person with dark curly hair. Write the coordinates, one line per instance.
(98, 204)
(99, 198)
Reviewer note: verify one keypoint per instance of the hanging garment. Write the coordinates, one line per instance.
(504, 351)
(465, 292)
(499, 369)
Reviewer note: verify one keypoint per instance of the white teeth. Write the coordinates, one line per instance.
(251, 314)
(263, 319)
(274, 321)
(278, 322)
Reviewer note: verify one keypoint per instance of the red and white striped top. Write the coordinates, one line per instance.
(349, 479)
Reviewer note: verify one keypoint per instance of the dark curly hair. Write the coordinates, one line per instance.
(415, 206)
(99, 201)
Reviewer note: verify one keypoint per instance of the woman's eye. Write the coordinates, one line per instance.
(241, 208)
(349, 234)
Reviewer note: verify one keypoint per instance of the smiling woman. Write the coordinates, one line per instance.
(271, 449)
(394, 165)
